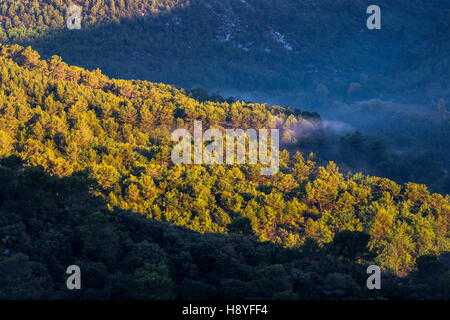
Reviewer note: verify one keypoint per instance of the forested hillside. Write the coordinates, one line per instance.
(71, 121)
(314, 55)
(244, 44)
(48, 223)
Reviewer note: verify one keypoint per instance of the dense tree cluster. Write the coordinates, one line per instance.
(48, 223)
(30, 18)
(68, 120)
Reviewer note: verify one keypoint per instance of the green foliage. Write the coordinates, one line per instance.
(350, 244)
(241, 225)
(430, 266)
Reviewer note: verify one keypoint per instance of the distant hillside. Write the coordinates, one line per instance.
(68, 121)
(244, 44)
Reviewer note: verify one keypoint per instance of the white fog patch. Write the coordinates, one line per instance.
(337, 126)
